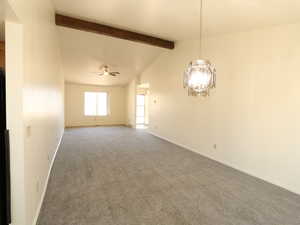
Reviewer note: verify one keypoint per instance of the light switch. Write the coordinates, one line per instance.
(28, 131)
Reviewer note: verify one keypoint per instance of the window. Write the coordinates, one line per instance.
(95, 104)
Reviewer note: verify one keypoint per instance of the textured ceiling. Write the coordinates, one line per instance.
(169, 19)
(177, 19)
(84, 53)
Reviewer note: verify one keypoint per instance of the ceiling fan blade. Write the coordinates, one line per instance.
(115, 72)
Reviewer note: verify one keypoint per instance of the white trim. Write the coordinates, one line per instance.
(97, 125)
(46, 183)
(175, 143)
(226, 163)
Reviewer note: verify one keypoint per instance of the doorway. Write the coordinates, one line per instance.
(142, 106)
(5, 215)
(141, 111)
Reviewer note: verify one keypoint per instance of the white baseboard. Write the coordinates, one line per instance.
(46, 183)
(175, 143)
(99, 125)
(226, 163)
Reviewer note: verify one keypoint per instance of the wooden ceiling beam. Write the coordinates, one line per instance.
(97, 28)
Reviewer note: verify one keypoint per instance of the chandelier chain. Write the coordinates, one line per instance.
(201, 28)
(200, 76)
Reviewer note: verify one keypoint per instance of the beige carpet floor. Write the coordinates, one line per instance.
(122, 176)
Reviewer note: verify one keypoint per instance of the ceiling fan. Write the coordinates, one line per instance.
(104, 71)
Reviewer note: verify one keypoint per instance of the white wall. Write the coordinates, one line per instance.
(131, 89)
(38, 99)
(74, 105)
(252, 116)
(14, 110)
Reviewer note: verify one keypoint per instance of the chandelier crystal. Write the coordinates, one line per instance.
(200, 75)
(199, 78)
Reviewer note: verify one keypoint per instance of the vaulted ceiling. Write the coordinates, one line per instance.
(83, 54)
(169, 19)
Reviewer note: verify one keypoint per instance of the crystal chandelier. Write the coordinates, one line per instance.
(200, 76)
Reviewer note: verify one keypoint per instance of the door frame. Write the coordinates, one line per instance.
(136, 116)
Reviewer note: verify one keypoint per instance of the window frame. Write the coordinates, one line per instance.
(107, 104)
